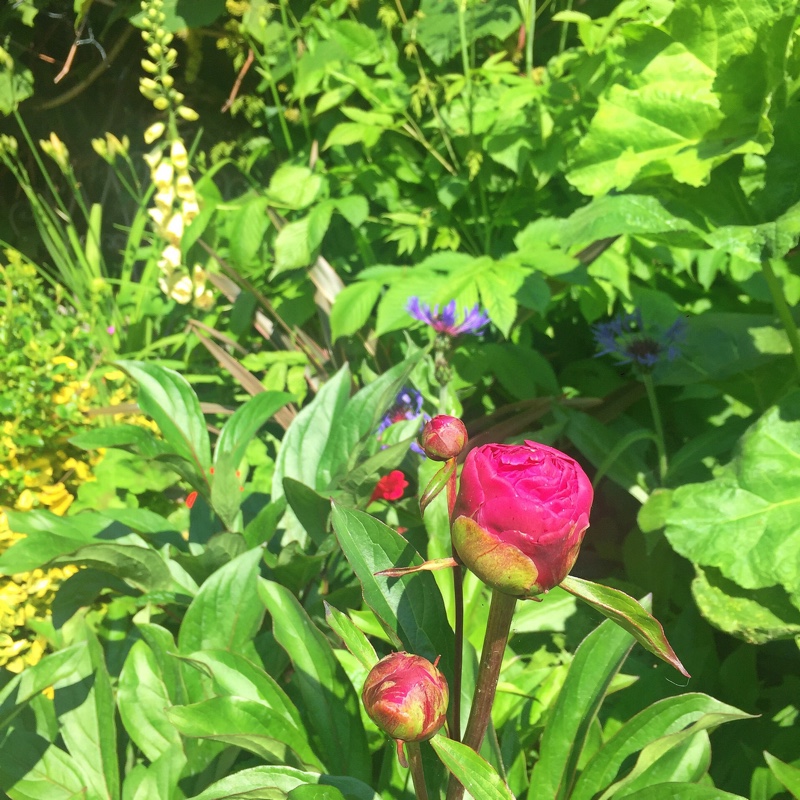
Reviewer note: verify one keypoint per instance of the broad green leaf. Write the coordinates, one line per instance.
(660, 719)
(311, 509)
(596, 662)
(180, 16)
(143, 567)
(410, 608)
(628, 614)
(359, 421)
(316, 793)
(249, 225)
(437, 31)
(755, 615)
(168, 398)
(158, 780)
(788, 775)
(248, 724)
(305, 440)
(353, 306)
(87, 723)
(48, 536)
(233, 440)
(329, 699)
(33, 769)
(275, 783)
(294, 186)
(346, 133)
(682, 791)
(353, 638)
(70, 663)
(476, 775)
(743, 522)
(123, 435)
(226, 613)
(143, 700)
(16, 85)
(233, 674)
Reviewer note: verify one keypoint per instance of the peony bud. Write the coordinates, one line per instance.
(520, 516)
(406, 696)
(443, 437)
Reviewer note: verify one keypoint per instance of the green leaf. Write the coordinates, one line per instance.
(663, 718)
(33, 769)
(275, 783)
(743, 522)
(436, 27)
(351, 635)
(226, 613)
(329, 699)
(16, 85)
(233, 674)
(143, 699)
(158, 779)
(248, 724)
(248, 228)
(141, 439)
(352, 307)
(233, 440)
(628, 614)
(87, 723)
(311, 509)
(180, 15)
(48, 536)
(684, 791)
(596, 662)
(166, 397)
(297, 242)
(354, 208)
(293, 186)
(755, 615)
(410, 609)
(788, 775)
(476, 775)
(70, 663)
(346, 133)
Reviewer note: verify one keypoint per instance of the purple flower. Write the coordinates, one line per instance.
(631, 342)
(111, 330)
(444, 321)
(407, 406)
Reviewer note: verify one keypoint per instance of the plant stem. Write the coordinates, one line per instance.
(529, 33)
(417, 773)
(494, 646)
(647, 379)
(782, 307)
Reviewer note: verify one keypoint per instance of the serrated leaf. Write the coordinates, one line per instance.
(352, 307)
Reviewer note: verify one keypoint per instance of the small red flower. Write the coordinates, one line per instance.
(190, 498)
(390, 487)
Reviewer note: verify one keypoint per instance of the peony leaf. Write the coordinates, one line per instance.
(355, 641)
(475, 773)
(628, 614)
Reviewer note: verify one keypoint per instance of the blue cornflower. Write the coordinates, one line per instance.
(407, 406)
(630, 342)
(444, 321)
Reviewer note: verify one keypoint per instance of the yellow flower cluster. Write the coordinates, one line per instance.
(175, 203)
(26, 597)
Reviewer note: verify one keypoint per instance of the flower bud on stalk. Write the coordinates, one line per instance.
(520, 516)
(443, 437)
(406, 696)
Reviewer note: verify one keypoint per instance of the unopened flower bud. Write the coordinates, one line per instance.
(406, 696)
(443, 437)
(520, 516)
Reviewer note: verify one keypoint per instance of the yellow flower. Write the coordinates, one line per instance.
(69, 362)
(56, 498)
(65, 394)
(25, 501)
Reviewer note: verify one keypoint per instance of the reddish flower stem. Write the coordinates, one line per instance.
(417, 773)
(494, 645)
(458, 602)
